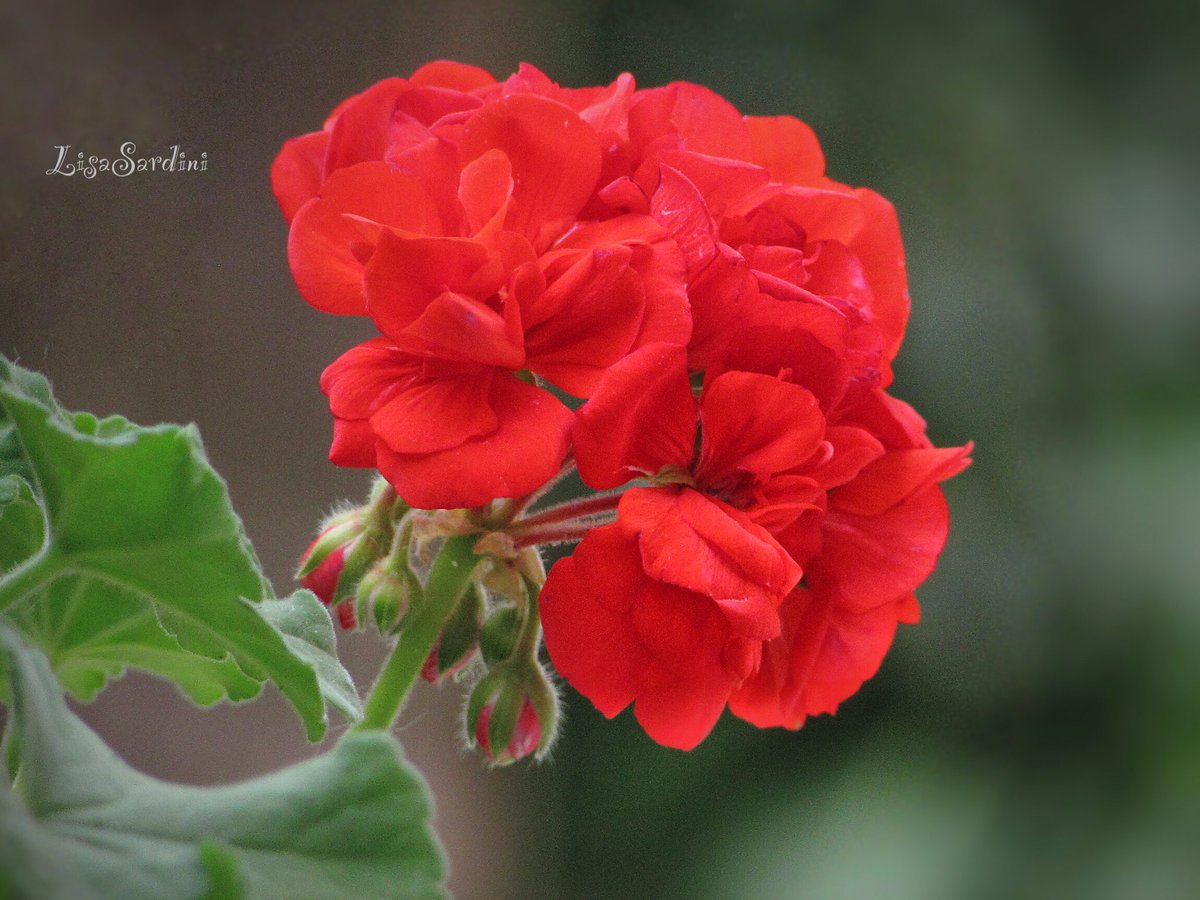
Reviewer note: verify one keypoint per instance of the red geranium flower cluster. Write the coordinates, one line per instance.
(729, 315)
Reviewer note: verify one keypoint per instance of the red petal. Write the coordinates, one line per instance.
(428, 413)
(599, 305)
(766, 698)
(656, 259)
(585, 607)
(484, 189)
(823, 214)
(356, 380)
(626, 195)
(612, 442)
(704, 121)
(449, 74)
(323, 580)
(898, 475)
(679, 207)
(878, 246)
(779, 502)
(682, 691)
(692, 541)
(854, 646)
(852, 449)
(757, 424)
(417, 110)
(897, 425)
(803, 342)
(353, 444)
(719, 295)
(618, 636)
(823, 656)
(787, 148)
(329, 238)
(680, 709)
(360, 131)
(868, 560)
(297, 171)
(407, 273)
(555, 160)
(346, 615)
(834, 272)
(524, 452)
(454, 327)
(608, 111)
(722, 182)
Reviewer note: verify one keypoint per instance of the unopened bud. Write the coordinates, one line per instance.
(322, 579)
(337, 534)
(524, 740)
(458, 640)
(386, 594)
(498, 637)
(512, 713)
(346, 616)
(324, 562)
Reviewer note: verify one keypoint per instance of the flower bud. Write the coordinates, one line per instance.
(323, 581)
(525, 734)
(336, 535)
(458, 639)
(498, 637)
(386, 593)
(324, 562)
(347, 549)
(323, 578)
(512, 713)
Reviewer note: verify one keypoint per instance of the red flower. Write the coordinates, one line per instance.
(877, 541)
(729, 313)
(687, 601)
(449, 209)
(619, 636)
(786, 267)
(699, 579)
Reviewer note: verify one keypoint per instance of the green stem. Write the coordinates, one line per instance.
(448, 581)
(28, 577)
(530, 637)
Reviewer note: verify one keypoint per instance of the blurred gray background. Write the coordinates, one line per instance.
(1038, 735)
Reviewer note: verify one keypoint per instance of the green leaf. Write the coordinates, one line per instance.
(91, 630)
(145, 562)
(82, 824)
(34, 386)
(21, 521)
(307, 629)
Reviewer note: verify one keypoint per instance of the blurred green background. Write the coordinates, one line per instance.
(1037, 735)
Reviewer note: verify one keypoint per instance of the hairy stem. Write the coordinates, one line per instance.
(558, 532)
(572, 509)
(448, 581)
(523, 503)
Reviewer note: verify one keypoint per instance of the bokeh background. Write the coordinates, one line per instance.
(1038, 735)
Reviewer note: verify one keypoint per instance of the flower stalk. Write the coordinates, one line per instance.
(448, 581)
(585, 507)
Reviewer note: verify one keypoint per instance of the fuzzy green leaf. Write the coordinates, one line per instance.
(304, 622)
(144, 562)
(82, 824)
(21, 521)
